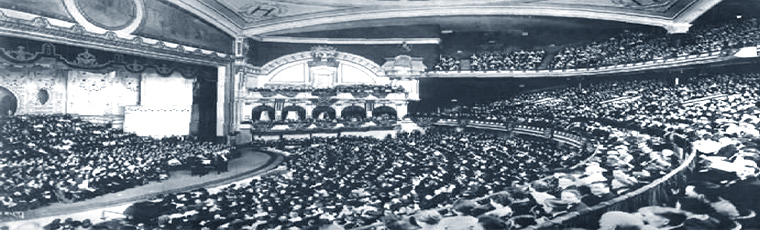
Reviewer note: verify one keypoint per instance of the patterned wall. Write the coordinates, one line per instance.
(107, 93)
(37, 89)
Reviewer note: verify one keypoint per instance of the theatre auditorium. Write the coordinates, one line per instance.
(379, 114)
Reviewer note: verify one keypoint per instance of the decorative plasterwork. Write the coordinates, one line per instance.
(76, 11)
(347, 41)
(41, 29)
(291, 23)
(229, 23)
(339, 56)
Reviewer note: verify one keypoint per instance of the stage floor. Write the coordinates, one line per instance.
(251, 163)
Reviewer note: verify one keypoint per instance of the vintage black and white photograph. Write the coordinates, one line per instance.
(379, 114)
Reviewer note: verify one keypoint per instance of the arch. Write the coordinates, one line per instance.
(327, 110)
(300, 111)
(8, 102)
(257, 111)
(290, 59)
(353, 112)
(385, 110)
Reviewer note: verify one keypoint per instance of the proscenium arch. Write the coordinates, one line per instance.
(329, 111)
(352, 112)
(299, 23)
(8, 102)
(290, 59)
(256, 112)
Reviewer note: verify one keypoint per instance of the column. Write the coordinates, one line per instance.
(222, 101)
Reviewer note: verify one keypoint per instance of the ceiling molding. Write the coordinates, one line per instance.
(692, 12)
(303, 21)
(347, 41)
(211, 15)
(41, 29)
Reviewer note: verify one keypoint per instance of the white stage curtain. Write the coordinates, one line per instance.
(165, 107)
(157, 121)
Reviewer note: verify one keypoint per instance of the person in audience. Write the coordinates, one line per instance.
(662, 217)
(572, 197)
(617, 220)
(709, 193)
(539, 191)
(600, 192)
(702, 215)
(551, 209)
(426, 220)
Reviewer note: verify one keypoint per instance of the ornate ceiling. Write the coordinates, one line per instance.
(262, 17)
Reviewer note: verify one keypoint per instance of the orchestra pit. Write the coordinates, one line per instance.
(379, 115)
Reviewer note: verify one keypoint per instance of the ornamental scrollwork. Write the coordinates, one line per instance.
(20, 54)
(85, 60)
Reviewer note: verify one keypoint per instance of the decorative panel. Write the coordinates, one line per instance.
(102, 93)
(37, 90)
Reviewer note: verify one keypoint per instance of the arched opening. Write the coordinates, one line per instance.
(8, 103)
(385, 113)
(293, 113)
(262, 113)
(353, 113)
(323, 113)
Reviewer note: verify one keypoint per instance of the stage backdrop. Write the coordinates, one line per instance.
(102, 93)
(165, 106)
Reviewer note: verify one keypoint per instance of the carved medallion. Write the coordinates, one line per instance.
(260, 11)
(111, 14)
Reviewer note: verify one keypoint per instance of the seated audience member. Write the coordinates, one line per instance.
(600, 192)
(395, 222)
(463, 207)
(539, 191)
(551, 209)
(488, 222)
(702, 216)
(662, 217)
(498, 205)
(572, 197)
(617, 220)
(565, 181)
(709, 193)
(427, 219)
(622, 182)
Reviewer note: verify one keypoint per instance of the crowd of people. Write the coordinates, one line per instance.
(58, 158)
(636, 132)
(354, 181)
(491, 61)
(717, 113)
(627, 47)
(445, 177)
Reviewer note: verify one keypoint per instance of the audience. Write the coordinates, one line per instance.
(625, 48)
(51, 158)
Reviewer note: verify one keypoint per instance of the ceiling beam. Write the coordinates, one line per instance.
(363, 14)
(692, 12)
(211, 15)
